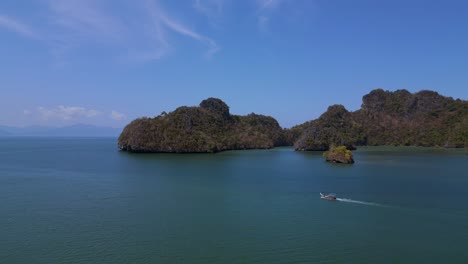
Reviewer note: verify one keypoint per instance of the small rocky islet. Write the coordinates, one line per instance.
(339, 154)
(398, 118)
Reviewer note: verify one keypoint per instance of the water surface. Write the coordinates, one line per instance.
(81, 201)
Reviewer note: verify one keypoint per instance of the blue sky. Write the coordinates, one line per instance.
(106, 62)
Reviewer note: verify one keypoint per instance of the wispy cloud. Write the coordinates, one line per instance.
(269, 4)
(71, 114)
(65, 113)
(142, 33)
(75, 23)
(156, 34)
(16, 26)
(144, 38)
(162, 20)
(86, 18)
(265, 10)
(118, 116)
(210, 8)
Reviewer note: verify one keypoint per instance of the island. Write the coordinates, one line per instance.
(339, 154)
(397, 118)
(207, 128)
(386, 118)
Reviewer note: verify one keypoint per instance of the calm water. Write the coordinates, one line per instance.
(82, 201)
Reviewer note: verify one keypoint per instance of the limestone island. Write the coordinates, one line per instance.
(386, 118)
(206, 128)
(339, 154)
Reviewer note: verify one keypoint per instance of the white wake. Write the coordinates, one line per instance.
(358, 202)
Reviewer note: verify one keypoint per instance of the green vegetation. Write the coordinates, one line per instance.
(339, 154)
(207, 128)
(340, 149)
(334, 127)
(386, 118)
(397, 118)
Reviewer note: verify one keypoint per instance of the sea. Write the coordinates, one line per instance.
(81, 200)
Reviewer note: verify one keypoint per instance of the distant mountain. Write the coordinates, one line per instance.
(29, 130)
(67, 131)
(84, 131)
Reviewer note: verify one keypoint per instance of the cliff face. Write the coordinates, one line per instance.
(390, 118)
(206, 128)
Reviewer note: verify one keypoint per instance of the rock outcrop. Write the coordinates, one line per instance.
(339, 155)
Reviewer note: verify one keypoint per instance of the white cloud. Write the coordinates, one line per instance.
(210, 8)
(157, 35)
(87, 18)
(144, 38)
(75, 23)
(66, 113)
(265, 10)
(161, 18)
(141, 33)
(269, 4)
(118, 116)
(16, 26)
(62, 115)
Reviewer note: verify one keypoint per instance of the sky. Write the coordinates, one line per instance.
(107, 62)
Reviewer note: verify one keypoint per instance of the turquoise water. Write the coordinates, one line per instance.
(82, 201)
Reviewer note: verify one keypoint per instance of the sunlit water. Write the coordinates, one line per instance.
(82, 201)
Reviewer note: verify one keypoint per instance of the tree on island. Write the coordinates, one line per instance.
(339, 154)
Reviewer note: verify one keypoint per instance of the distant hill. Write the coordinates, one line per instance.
(67, 131)
(208, 127)
(401, 118)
